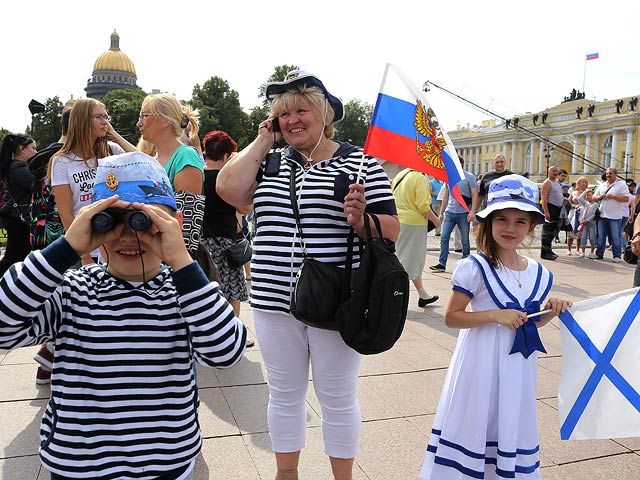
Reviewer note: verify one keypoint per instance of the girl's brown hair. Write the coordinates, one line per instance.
(487, 244)
(79, 140)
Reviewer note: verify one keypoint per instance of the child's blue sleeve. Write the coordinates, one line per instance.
(466, 277)
(217, 336)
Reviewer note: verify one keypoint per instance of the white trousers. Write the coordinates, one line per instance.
(288, 347)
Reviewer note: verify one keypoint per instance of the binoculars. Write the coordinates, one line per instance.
(106, 220)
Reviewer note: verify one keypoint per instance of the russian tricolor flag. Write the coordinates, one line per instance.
(593, 56)
(404, 130)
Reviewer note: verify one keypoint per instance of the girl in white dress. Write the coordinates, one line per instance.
(485, 426)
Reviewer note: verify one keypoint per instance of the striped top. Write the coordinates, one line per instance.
(123, 395)
(277, 251)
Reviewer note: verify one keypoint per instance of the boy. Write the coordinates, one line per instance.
(588, 223)
(123, 394)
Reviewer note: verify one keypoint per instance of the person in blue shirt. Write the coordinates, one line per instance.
(456, 214)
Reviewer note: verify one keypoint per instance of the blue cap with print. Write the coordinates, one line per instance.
(512, 191)
(134, 177)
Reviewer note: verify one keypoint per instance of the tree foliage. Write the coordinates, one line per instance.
(220, 109)
(354, 127)
(124, 107)
(45, 126)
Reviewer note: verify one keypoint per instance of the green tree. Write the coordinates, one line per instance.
(354, 127)
(124, 107)
(45, 126)
(278, 75)
(220, 109)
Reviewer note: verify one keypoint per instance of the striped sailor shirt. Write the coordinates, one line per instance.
(277, 249)
(123, 394)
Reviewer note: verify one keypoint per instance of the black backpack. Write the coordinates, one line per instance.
(373, 317)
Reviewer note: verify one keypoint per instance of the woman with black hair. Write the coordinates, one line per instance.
(15, 150)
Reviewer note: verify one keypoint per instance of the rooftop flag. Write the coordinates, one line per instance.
(405, 130)
(593, 56)
(599, 392)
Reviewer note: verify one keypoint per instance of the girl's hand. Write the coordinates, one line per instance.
(558, 305)
(509, 318)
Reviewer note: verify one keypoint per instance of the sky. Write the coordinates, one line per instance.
(509, 57)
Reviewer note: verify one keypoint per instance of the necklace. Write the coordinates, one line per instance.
(510, 272)
(308, 164)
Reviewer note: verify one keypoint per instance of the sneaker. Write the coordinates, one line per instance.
(437, 268)
(250, 343)
(45, 356)
(423, 302)
(617, 259)
(43, 376)
(457, 250)
(569, 253)
(580, 254)
(592, 256)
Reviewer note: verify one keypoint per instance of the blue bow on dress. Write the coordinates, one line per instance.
(527, 338)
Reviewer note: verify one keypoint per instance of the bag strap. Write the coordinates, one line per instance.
(400, 180)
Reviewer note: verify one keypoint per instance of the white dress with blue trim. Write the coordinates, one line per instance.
(485, 426)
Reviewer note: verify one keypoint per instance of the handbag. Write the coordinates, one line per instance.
(319, 286)
(192, 207)
(372, 319)
(14, 209)
(628, 255)
(239, 252)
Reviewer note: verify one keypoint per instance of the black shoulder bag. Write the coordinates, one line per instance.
(320, 286)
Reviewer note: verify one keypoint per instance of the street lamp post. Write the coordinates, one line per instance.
(548, 149)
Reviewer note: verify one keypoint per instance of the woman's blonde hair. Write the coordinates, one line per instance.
(78, 140)
(311, 97)
(168, 107)
(582, 179)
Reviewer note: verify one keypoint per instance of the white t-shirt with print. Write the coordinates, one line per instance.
(79, 175)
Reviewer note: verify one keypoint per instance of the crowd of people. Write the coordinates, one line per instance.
(124, 313)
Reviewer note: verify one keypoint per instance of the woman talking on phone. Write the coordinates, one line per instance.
(330, 201)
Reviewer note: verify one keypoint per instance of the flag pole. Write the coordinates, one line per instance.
(584, 75)
(384, 76)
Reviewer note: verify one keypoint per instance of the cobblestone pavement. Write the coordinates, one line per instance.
(398, 393)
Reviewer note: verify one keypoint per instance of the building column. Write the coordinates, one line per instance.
(513, 157)
(627, 151)
(477, 159)
(574, 156)
(541, 166)
(587, 154)
(614, 149)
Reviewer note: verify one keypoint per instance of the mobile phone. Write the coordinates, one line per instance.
(272, 164)
(275, 124)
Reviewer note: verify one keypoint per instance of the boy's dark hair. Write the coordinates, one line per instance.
(64, 120)
(562, 170)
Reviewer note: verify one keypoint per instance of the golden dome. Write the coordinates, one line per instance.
(114, 59)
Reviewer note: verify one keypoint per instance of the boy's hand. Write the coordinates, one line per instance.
(164, 236)
(81, 236)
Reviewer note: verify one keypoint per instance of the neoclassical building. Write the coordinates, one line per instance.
(112, 70)
(580, 135)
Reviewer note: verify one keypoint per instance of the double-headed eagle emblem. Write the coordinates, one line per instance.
(426, 124)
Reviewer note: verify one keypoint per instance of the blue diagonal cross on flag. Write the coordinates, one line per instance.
(599, 389)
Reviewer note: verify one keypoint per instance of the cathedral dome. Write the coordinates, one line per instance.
(114, 58)
(113, 70)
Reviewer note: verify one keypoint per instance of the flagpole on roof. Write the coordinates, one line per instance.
(584, 75)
